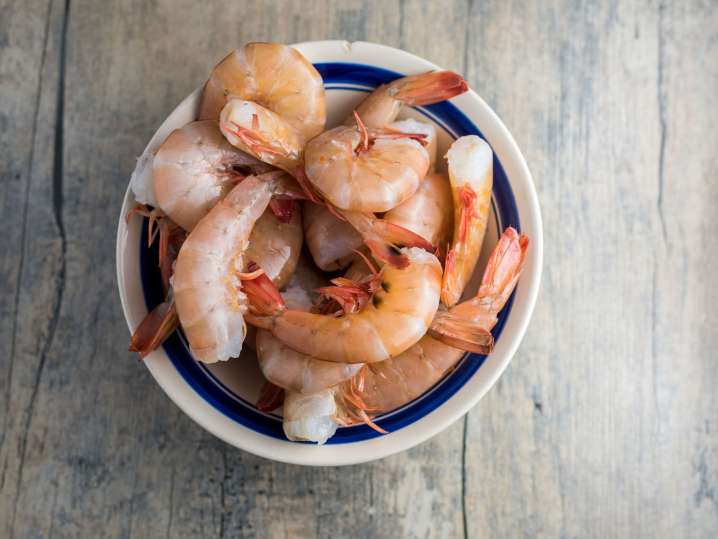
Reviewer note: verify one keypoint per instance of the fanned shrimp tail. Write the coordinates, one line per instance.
(154, 329)
(504, 266)
(461, 333)
(382, 237)
(428, 88)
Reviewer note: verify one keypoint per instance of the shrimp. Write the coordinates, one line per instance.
(382, 106)
(269, 100)
(471, 174)
(331, 241)
(292, 370)
(366, 171)
(194, 168)
(427, 212)
(275, 246)
(206, 282)
(388, 385)
(398, 315)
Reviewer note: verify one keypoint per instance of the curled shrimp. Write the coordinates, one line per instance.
(388, 385)
(206, 282)
(194, 168)
(428, 211)
(269, 100)
(365, 170)
(471, 174)
(397, 316)
(382, 106)
(292, 370)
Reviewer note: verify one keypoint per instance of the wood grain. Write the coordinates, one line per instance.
(604, 424)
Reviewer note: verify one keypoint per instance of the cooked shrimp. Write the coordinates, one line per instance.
(206, 282)
(331, 241)
(428, 211)
(382, 106)
(397, 317)
(471, 173)
(275, 246)
(194, 168)
(292, 370)
(367, 171)
(269, 100)
(388, 385)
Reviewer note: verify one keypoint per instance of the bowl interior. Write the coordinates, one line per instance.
(233, 387)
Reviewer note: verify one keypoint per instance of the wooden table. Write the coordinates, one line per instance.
(603, 426)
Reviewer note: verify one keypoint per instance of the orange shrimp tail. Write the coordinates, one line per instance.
(461, 333)
(399, 235)
(282, 209)
(264, 298)
(431, 87)
(504, 265)
(154, 329)
(270, 398)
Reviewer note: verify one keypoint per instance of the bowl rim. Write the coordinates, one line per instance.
(523, 188)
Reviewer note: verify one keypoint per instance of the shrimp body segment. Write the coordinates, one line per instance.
(194, 168)
(367, 177)
(275, 246)
(471, 174)
(275, 77)
(331, 241)
(206, 281)
(428, 212)
(398, 315)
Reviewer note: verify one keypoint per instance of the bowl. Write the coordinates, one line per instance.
(220, 397)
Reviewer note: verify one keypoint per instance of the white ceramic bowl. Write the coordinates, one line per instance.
(220, 397)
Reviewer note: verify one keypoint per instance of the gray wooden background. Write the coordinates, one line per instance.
(603, 426)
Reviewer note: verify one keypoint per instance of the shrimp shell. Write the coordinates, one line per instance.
(374, 180)
(397, 317)
(428, 212)
(209, 302)
(274, 76)
(194, 168)
(471, 174)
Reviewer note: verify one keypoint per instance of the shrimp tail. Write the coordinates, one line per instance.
(382, 237)
(428, 88)
(264, 298)
(154, 329)
(504, 266)
(400, 235)
(270, 397)
(461, 333)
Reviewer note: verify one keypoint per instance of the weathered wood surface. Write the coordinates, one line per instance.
(603, 426)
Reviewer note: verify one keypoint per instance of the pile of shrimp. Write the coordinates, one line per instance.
(371, 316)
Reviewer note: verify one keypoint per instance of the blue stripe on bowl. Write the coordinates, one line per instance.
(350, 77)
